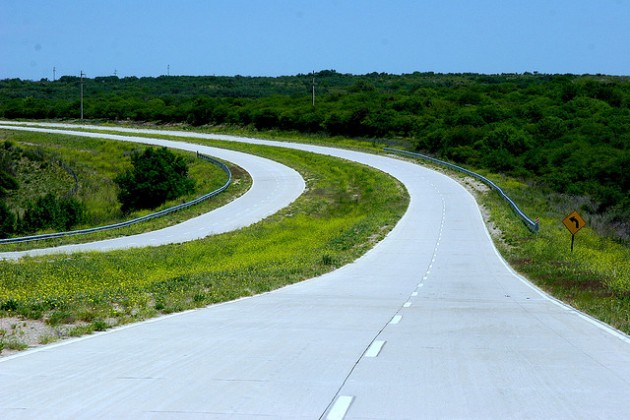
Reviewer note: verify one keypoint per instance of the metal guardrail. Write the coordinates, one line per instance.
(133, 221)
(531, 225)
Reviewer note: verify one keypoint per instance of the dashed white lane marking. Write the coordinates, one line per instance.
(396, 319)
(414, 294)
(407, 304)
(374, 349)
(340, 408)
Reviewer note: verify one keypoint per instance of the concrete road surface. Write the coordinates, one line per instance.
(431, 323)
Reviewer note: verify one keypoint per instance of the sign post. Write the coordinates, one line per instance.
(573, 223)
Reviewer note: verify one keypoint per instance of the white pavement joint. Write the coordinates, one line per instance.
(340, 407)
(374, 349)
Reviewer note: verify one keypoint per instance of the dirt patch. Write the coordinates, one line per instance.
(478, 188)
(18, 334)
(473, 185)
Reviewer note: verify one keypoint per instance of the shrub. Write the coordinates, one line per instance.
(157, 175)
(7, 221)
(50, 212)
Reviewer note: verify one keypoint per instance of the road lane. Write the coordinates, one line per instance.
(471, 340)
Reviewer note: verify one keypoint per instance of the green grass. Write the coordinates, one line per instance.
(347, 207)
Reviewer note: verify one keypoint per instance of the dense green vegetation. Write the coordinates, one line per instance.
(568, 134)
(156, 176)
(51, 212)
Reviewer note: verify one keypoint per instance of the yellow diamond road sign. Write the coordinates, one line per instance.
(574, 222)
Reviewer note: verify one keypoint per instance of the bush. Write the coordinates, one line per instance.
(50, 212)
(157, 175)
(7, 221)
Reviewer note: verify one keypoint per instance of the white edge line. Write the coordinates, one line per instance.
(340, 408)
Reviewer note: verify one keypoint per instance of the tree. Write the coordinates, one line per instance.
(50, 212)
(7, 221)
(157, 175)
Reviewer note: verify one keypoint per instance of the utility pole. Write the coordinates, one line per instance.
(82, 74)
(168, 69)
(54, 73)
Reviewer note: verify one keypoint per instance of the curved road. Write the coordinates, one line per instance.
(274, 186)
(431, 323)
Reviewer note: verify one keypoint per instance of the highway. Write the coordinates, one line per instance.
(431, 323)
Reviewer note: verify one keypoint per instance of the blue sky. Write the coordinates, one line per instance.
(283, 37)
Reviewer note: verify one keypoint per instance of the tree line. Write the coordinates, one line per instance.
(569, 133)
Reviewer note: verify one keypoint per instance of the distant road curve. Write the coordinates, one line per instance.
(274, 187)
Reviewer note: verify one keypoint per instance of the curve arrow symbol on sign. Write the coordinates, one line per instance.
(574, 222)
